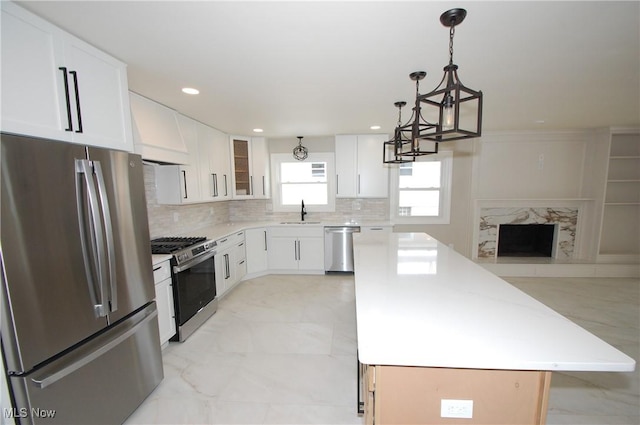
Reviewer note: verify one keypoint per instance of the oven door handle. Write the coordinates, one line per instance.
(194, 262)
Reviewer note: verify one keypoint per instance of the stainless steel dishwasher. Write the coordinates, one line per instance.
(338, 248)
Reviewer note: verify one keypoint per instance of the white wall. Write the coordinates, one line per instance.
(533, 165)
(314, 144)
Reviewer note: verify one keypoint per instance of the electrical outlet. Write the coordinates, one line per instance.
(456, 408)
(176, 217)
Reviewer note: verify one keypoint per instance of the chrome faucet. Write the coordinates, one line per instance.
(303, 211)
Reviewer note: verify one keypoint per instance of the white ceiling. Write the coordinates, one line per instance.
(322, 68)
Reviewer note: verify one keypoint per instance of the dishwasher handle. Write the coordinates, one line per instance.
(342, 229)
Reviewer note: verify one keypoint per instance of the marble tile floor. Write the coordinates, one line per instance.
(282, 350)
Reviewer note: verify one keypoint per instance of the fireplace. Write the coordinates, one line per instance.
(526, 240)
(564, 218)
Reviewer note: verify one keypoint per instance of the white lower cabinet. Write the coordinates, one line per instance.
(230, 262)
(164, 301)
(257, 250)
(296, 248)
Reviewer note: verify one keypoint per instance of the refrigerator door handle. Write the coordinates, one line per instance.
(108, 231)
(64, 371)
(91, 242)
(88, 242)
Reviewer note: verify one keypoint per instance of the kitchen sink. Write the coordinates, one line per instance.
(299, 222)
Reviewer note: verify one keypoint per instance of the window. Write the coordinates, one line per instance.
(421, 190)
(309, 180)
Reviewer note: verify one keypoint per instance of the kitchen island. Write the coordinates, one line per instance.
(443, 340)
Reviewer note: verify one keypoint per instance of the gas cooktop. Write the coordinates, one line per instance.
(168, 245)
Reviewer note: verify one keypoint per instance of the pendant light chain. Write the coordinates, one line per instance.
(452, 31)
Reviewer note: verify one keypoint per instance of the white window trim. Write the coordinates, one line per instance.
(328, 158)
(446, 159)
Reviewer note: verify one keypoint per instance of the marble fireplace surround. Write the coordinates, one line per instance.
(490, 214)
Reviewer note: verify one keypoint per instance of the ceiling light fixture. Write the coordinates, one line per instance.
(452, 102)
(300, 152)
(258, 130)
(375, 127)
(417, 126)
(190, 90)
(392, 149)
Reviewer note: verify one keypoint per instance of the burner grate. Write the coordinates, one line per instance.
(170, 244)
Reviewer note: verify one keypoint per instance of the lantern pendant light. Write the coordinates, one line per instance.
(392, 150)
(417, 127)
(300, 152)
(458, 108)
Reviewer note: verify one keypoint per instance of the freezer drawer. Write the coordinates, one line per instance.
(102, 381)
(338, 248)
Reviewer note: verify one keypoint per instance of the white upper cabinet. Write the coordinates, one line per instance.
(360, 172)
(215, 165)
(241, 177)
(250, 167)
(59, 87)
(155, 132)
(260, 167)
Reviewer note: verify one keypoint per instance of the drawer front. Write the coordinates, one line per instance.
(229, 240)
(297, 231)
(161, 272)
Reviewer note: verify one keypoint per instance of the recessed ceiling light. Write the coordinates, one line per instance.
(539, 121)
(375, 127)
(258, 130)
(189, 90)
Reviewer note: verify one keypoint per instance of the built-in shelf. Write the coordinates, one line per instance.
(620, 232)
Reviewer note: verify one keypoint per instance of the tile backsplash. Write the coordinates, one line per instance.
(175, 220)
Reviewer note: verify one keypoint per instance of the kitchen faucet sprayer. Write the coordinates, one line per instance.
(303, 212)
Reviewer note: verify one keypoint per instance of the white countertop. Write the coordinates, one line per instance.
(419, 303)
(222, 230)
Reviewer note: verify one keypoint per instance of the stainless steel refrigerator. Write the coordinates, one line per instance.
(79, 322)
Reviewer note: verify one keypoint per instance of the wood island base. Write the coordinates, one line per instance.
(413, 395)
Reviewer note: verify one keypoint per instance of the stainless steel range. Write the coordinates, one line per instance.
(194, 280)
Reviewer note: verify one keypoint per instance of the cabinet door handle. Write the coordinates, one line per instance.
(299, 251)
(78, 109)
(265, 240)
(337, 191)
(155, 269)
(66, 95)
(226, 191)
(264, 189)
(214, 179)
(358, 183)
(226, 267)
(295, 250)
(250, 185)
(184, 181)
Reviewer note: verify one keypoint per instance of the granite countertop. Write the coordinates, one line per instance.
(419, 303)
